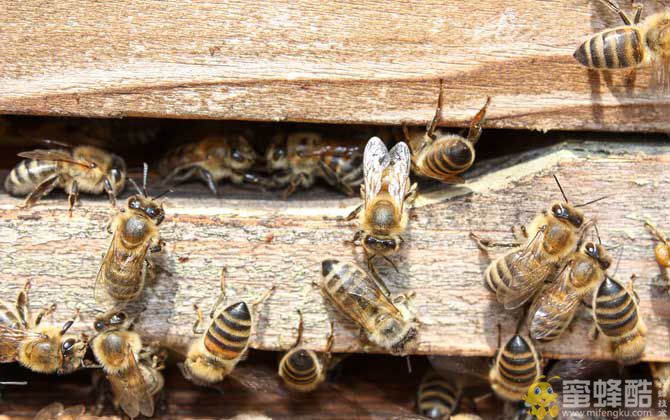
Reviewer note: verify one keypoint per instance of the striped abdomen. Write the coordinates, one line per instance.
(299, 369)
(612, 49)
(499, 274)
(516, 368)
(28, 174)
(437, 398)
(228, 334)
(446, 157)
(616, 315)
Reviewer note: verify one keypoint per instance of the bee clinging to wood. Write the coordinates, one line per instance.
(125, 266)
(117, 349)
(386, 194)
(303, 370)
(556, 304)
(79, 169)
(617, 317)
(517, 366)
(661, 251)
(437, 396)
(388, 322)
(212, 160)
(631, 46)
(550, 240)
(444, 156)
(298, 159)
(40, 348)
(214, 355)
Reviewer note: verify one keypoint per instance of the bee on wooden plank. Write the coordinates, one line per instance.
(617, 317)
(214, 355)
(40, 348)
(74, 169)
(298, 159)
(550, 240)
(387, 194)
(517, 366)
(212, 160)
(443, 156)
(388, 322)
(555, 305)
(661, 251)
(303, 370)
(633, 45)
(125, 266)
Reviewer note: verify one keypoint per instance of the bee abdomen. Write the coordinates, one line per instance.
(27, 175)
(229, 332)
(447, 158)
(498, 275)
(613, 49)
(437, 398)
(517, 362)
(300, 368)
(121, 284)
(615, 310)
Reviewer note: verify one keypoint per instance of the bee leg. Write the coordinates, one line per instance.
(263, 297)
(327, 355)
(198, 320)
(355, 213)
(48, 310)
(293, 184)
(110, 192)
(430, 130)
(614, 7)
(43, 189)
(357, 236)
(475, 130)
(376, 277)
(207, 177)
(412, 194)
(520, 233)
(486, 244)
(300, 328)
(594, 333)
(69, 323)
(638, 13)
(73, 196)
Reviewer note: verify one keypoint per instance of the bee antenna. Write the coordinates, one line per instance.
(618, 260)
(409, 364)
(137, 187)
(592, 201)
(145, 176)
(560, 188)
(163, 193)
(595, 227)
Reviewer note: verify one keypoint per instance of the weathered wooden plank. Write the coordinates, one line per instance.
(367, 62)
(264, 241)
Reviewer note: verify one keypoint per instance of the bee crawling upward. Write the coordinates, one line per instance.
(40, 348)
(82, 168)
(444, 156)
(385, 193)
(125, 267)
(635, 44)
(517, 366)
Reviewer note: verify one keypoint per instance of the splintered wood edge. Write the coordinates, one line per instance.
(486, 179)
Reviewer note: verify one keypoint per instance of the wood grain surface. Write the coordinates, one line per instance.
(367, 61)
(264, 241)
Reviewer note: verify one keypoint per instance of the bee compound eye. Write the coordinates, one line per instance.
(99, 325)
(118, 318)
(238, 156)
(68, 344)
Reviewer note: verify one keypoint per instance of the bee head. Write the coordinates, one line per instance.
(242, 155)
(567, 212)
(147, 206)
(381, 245)
(598, 253)
(73, 351)
(117, 174)
(111, 320)
(276, 154)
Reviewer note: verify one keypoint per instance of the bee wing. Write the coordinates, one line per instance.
(375, 160)
(559, 295)
(51, 411)
(127, 262)
(660, 70)
(527, 274)
(130, 389)
(54, 155)
(368, 295)
(399, 166)
(10, 339)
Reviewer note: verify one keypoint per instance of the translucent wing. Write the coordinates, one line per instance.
(54, 155)
(51, 411)
(527, 271)
(130, 390)
(375, 160)
(553, 308)
(11, 338)
(660, 70)
(398, 175)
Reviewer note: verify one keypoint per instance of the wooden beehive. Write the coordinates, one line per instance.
(370, 62)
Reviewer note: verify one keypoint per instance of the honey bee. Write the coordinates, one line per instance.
(40, 348)
(385, 192)
(517, 366)
(553, 236)
(297, 159)
(661, 251)
(660, 371)
(82, 168)
(117, 349)
(213, 356)
(56, 411)
(635, 44)
(437, 397)
(616, 316)
(303, 370)
(125, 266)
(444, 156)
(387, 322)
(554, 307)
(212, 159)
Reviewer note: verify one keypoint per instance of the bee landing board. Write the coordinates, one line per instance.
(375, 62)
(265, 241)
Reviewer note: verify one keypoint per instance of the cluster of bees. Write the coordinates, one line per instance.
(551, 271)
